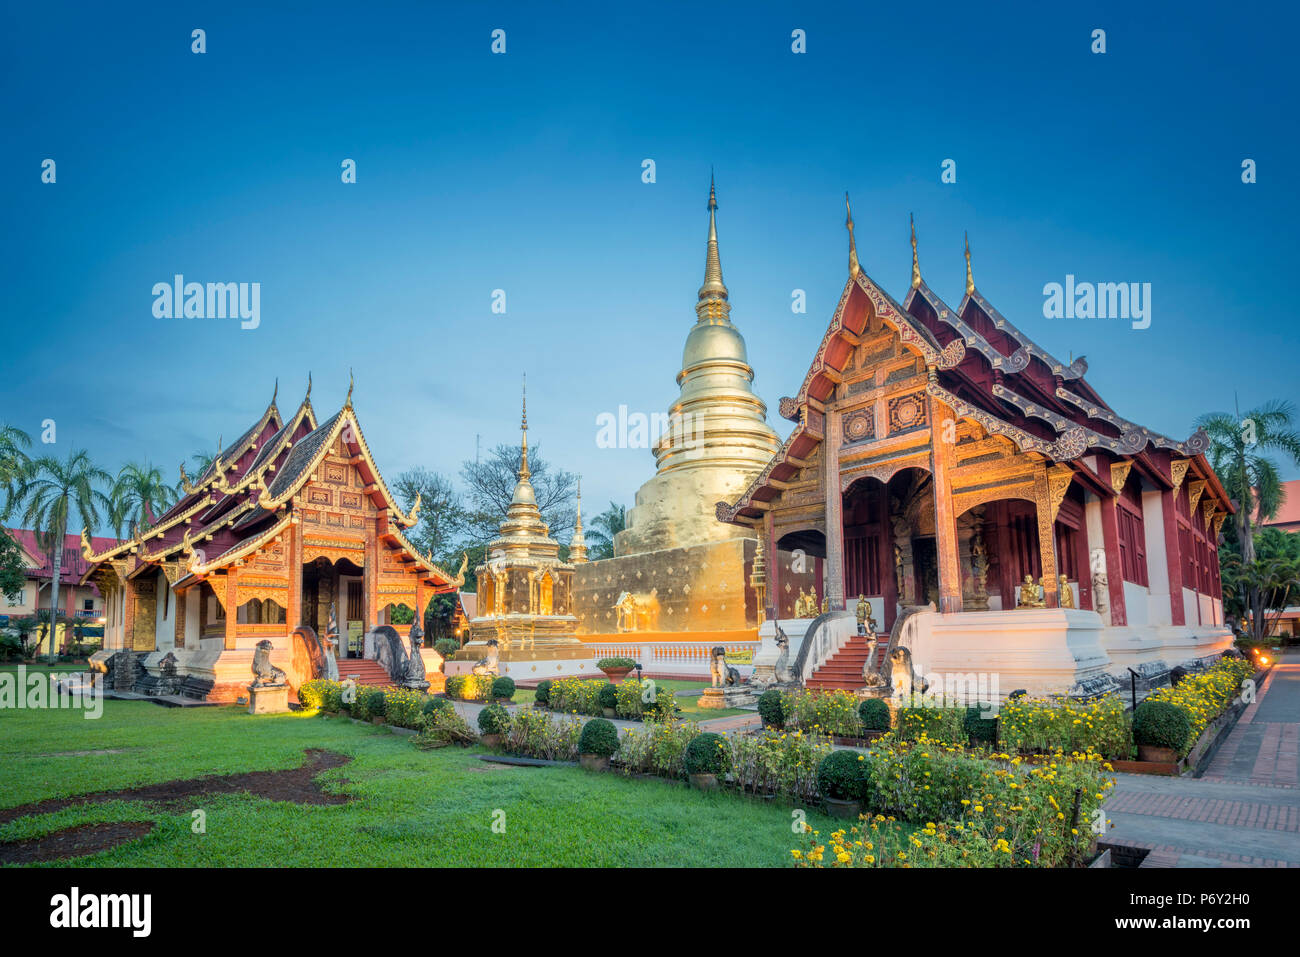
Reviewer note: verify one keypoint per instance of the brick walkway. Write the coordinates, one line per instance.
(1244, 811)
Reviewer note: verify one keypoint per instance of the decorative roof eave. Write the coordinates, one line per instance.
(345, 417)
(1016, 362)
(729, 512)
(88, 549)
(233, 452)
(1069, 444)
(234, 553)
(1075, 370)
(435, 572)
(282, 440)
(912, 334)
(205, 531)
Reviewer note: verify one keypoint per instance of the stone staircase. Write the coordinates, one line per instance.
(843, 670)
(365, 671)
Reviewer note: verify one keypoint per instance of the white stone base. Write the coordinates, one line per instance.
(269, 699)
(534, 670)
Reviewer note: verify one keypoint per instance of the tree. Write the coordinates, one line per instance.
(1270, 583)
(490, 483)
(14, 463)
(441, 514)
(53, 492)
(1237, 452)
(139, 495)
(602, 529)
(12, 567)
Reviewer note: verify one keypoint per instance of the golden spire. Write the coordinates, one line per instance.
(523, 429)
(916, 263)
(347, 403)
(578, 544)
(854, 268)
(308, 395)
(713, 294)
(970, 278)
(276, 391)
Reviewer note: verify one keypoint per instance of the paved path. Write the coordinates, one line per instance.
(1244, 811)
(742, 722)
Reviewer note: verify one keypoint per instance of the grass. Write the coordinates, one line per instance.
(409, 807)
(689, 706)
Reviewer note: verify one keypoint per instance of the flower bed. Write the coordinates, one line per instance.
(1046, 726)
(1206, 695)
(776, 762)
(469, 687)
(822, 712)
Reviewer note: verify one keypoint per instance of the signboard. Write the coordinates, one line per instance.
(356, 638)
(743, 657)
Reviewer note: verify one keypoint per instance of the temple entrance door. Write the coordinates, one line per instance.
(352, 623)
(925, 558)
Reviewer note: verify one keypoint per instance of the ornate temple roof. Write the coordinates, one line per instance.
(981, 365)
(524, 537)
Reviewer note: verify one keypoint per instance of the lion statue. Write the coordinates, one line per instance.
(720, 672)
(490, 665)
(265, 674)
(903, 678)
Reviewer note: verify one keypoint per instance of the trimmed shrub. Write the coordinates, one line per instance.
(644, 700)
(598, 737)
(376, 702)
(843, 775)
(435, 704)
(771, 708)
(613, 663)
(608, 695)
(446, 647)
(320, 693)
(543, 692)
(1048, 726)
(577, 695)
(706, 754)
(1160, 724)
(979, 729)
(872, 712)
(822, 712)
(503, 687)
(469, 687)
(494, 719)
(402, 706)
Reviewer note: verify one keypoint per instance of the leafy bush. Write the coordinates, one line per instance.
(321, 694)
(874, 714)
(503, 687)
(646, 699)
(1161, 724)
(822, 712)
(598, 737)
(376, 702)
(446, 647)
(771, 708)
(494, 719)
(657, 748)
(469, 687)
(706, 754)
(542, 693)
(980, 730)
(536, 734)
(454, 686)
(444, 726)
(402, 706)
(778, 763)
(1203, 697)
(1047, 726)
(363, 695)
(615, 663)
(431, 705)
(576, 695)
(608, 695)
(843, 775)
(942, 725)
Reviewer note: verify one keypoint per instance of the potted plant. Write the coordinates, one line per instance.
(503, 689)
(596, 744)
(841, 778)
(771, 708)
(493, 721)
(376, 705)
(542, 695)
(608, 696)
(1160, 730)
(616, 669)
(704, 760)
(874, 715)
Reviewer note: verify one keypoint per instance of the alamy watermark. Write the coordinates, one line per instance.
(50, 690)
(1102, 300)
(639, 430)
(179, 299)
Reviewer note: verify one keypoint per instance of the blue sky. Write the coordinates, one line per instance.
(522, 172)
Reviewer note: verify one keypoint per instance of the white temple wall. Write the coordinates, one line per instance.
(193, 617)
(1159, 611)
(164, 626)
(1137, 602)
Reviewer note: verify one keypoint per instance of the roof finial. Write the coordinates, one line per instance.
(713, 294)
(347, 403)
(308, 395)
(578, 544)
(276, 391)
(916, 263)
(970, 278)
(523, 430)
(854, 268)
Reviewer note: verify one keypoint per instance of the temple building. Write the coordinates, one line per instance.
(941, 459)
(524, 593)
(290, 523)
(676, 570)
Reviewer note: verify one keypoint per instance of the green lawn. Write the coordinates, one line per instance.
(690, 706)
(410, 807)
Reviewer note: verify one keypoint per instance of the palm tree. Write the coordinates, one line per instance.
(139, 496)
(1237, 452)
(14, 462)
(53, 491)
(603, 528)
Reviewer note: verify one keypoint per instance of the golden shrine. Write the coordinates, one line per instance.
(291, 520)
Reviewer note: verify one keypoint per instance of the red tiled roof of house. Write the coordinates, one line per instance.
(1289, 514)
(74, 563)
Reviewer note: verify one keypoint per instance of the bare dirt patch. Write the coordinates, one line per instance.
(295, 784)
(73, 842)
(83, 754)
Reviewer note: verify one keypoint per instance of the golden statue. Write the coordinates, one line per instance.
(863, 609)
(1031, 595)
(1066, 592)
(826, 604)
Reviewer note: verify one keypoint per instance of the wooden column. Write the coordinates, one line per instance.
(178, 622)
(833, 584)
(232, 607)
(421, 596)
(1046, 541)
(128, 615)
(945, 519)
(370, 580)
(293, 568)
(1173, 555)
(772, 600)
(1114, 569)
(889, 575)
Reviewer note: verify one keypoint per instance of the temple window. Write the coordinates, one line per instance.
(1132, 546)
